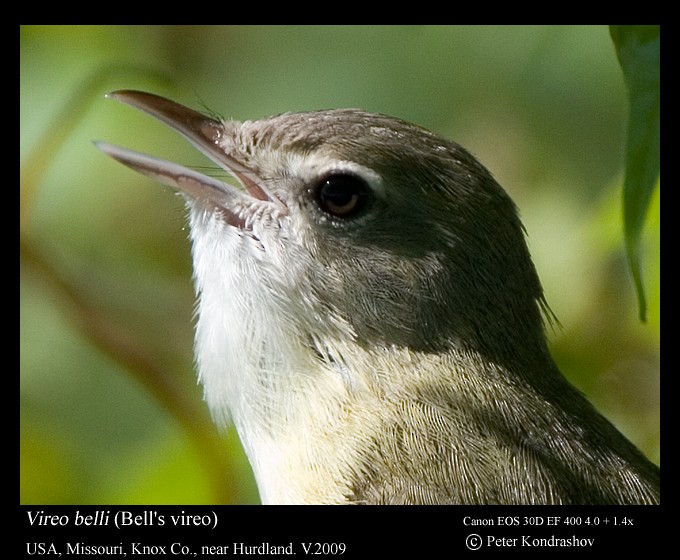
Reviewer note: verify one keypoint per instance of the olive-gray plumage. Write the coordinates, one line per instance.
(370, 319)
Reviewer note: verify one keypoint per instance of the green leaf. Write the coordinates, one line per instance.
(638, 51)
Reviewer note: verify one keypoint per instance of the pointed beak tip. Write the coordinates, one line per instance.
(136, 98)
(100, 145)
(111, 150)
(116, 94)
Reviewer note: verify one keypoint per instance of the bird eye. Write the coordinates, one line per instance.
(342, 195)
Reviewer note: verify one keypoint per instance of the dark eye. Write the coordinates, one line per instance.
(342, 195)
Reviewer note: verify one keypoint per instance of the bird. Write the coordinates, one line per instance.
(370, 320)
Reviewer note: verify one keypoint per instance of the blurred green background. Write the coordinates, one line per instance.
(110, 409)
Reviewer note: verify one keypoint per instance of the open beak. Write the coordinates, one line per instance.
(204, 133)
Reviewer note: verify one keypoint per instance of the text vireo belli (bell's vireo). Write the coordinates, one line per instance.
(370, 320)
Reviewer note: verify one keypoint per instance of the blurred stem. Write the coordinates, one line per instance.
(132, 357)
(41, 157)
(112, 341)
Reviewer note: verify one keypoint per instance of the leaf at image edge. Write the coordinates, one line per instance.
(638, 51)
